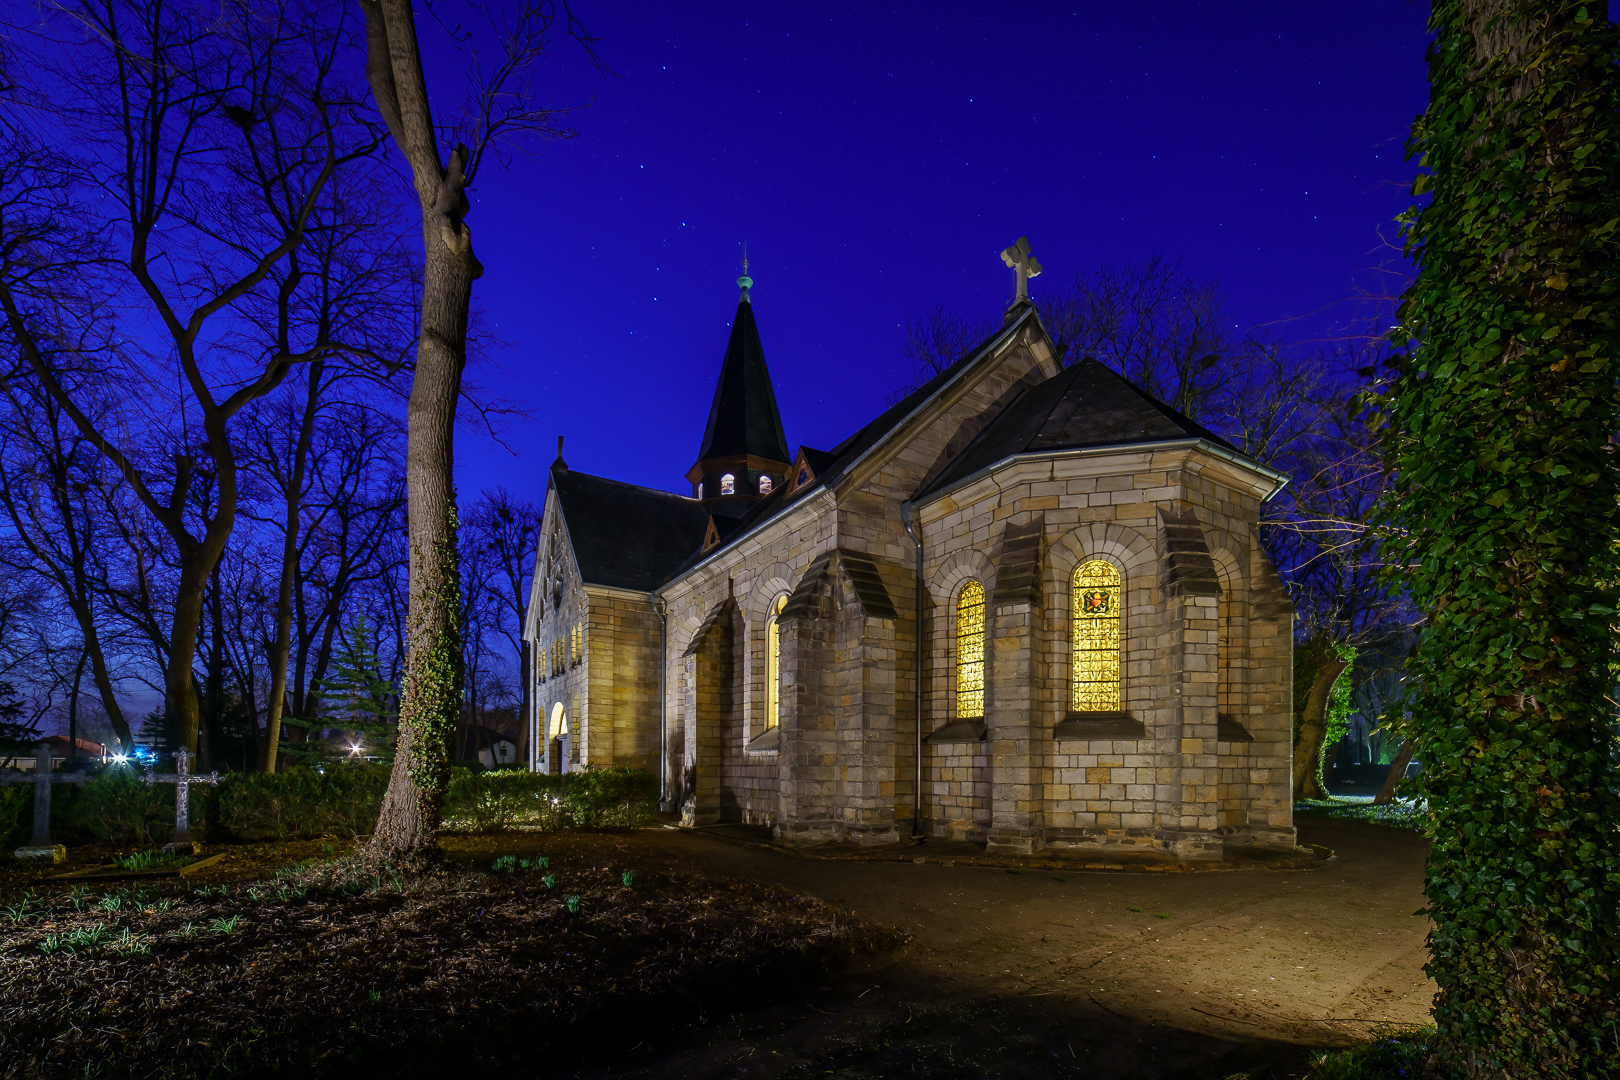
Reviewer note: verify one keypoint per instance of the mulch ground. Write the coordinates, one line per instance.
(258, 974)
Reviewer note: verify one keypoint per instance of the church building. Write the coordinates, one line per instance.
(1026, 606)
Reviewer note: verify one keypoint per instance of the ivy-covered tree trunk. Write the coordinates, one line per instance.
(1504, 517)
(430, 690)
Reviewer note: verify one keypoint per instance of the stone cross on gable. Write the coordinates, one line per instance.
(1023, 265)
(182, 778)
(40, 847)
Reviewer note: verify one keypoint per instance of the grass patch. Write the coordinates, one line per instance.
(1393, 816)
(152, 860)
(1394, 1057)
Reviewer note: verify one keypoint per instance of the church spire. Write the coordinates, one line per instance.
(745, 282)
(744, 453)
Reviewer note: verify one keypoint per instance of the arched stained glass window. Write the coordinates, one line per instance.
(773, 664)
(1098, 599)
(970, 651)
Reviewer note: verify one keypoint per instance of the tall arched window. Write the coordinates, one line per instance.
(728, 484)
(1223, 654)
(773, 663)
(1098, 600)
(970, 651)
(764, 485)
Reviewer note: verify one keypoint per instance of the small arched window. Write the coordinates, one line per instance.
(970, 651)
(764, 485)
(1097, 598)
(700, 489)
(773, 663)
(728, 484)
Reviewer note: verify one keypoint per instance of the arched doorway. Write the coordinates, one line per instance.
(559, 739)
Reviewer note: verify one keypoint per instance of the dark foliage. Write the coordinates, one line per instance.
(1503, 520)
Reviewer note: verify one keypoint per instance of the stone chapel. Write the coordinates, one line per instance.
(1027, 607)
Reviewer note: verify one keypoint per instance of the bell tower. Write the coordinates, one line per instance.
(744, 455)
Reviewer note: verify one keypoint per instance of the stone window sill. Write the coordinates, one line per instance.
(958, 731)
(1100, 725)
(767, 742)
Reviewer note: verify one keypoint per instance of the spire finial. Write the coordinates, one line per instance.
(745, 282)
(1024, 266)
(560, 463)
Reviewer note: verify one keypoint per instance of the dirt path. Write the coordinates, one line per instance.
(1155, 975)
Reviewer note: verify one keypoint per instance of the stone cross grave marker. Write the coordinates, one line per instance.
(182, 778)
(40, 847)
(1023, 265)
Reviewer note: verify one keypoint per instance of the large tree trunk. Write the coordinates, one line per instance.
(281, 647)
(1386, 792)
(197, 563)
(1313, 725)
(430, 692)
(1502, 422)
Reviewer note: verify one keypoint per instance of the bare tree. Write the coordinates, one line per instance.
(431, 692)
(1317, 535)
(217, 133)
(49, 480)
(1158, 327)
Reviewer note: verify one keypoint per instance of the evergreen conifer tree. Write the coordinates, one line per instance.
(356, 706)
(18, 734)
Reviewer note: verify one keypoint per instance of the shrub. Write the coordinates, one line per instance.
(1389, 1058)
(300, 802)
(13, 797)
(616, 798)
(497, 800)
(117, 806)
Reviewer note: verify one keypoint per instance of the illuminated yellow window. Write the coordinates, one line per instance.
(773, 664)
(1098, 599)
(1223, 658)
(970, 651)
(579, 642)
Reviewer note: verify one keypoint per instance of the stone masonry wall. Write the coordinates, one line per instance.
(1180, 787)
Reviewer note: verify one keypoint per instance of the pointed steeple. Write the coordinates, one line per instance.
(743, 440)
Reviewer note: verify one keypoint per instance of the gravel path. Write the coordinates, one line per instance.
(1214, 966)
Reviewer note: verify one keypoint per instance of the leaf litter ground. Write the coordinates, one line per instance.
(293, 974)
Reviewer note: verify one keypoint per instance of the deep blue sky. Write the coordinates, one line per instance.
(876, 158)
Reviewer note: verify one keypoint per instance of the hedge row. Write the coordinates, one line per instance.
(303, 803)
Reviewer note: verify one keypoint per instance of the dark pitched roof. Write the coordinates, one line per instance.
(846, 452)
(829, 464)
(625, 536)
(1087, 404)
(743, 418)
(818, 460)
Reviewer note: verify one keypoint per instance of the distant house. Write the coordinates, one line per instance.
(90, 753)
(493, 746)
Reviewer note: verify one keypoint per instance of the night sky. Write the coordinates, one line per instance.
(876, 159)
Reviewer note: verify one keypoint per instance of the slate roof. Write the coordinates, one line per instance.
(818, 460)
(1087, 404)
(829, 464)
(626, 536)
(743, 419)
